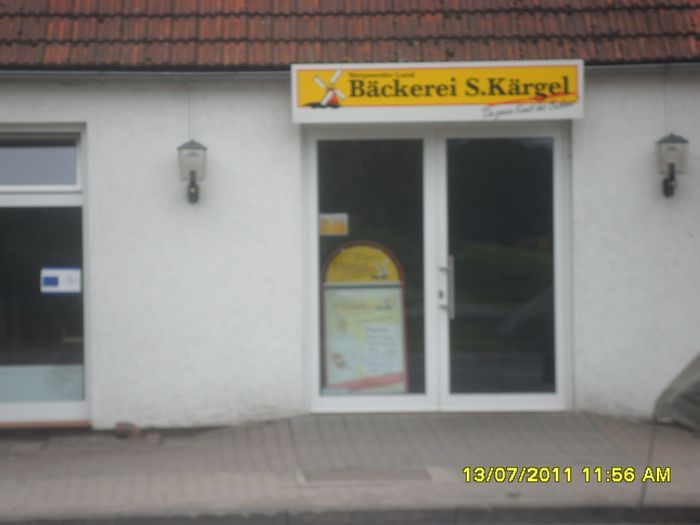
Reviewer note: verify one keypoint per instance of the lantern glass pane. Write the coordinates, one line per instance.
(191, 160)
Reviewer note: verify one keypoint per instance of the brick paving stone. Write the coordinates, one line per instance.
(358, 461)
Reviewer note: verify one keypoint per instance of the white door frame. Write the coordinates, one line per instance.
(560, 399)
(360, 403)
(436, 396)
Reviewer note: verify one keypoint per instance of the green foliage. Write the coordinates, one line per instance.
(497, 274)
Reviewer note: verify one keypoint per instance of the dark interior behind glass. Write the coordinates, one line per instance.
(39, 328)
(501, 238)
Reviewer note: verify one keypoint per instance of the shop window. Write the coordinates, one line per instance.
(41, 259)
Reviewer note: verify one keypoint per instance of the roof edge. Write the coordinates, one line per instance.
(275, 74)
(89, 74)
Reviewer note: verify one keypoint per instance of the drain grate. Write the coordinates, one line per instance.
(366, 474)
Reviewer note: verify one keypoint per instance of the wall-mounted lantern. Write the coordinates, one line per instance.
(192, 156)
(672, 152)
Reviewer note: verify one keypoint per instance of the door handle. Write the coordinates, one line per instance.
(450, 269)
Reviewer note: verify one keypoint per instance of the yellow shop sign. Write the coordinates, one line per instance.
(437, 91)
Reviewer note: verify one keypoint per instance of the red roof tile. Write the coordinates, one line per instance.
(272, 34)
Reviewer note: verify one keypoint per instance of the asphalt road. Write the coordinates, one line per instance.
(506, 516)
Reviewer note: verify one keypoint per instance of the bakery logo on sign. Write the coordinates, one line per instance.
(332, 95)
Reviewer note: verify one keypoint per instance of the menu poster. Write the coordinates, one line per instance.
(364, 335)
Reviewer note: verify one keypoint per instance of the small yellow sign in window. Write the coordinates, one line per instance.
(334, 225)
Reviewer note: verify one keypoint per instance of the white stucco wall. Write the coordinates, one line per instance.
(636, 260)
(193, 311)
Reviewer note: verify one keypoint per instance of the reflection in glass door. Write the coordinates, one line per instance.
(501, 246)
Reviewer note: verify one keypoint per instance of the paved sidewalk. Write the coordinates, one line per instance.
(339, 463)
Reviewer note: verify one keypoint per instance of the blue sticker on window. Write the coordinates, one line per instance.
(50, 281)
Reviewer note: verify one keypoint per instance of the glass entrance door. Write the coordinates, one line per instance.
(498, 283)
(438, 268)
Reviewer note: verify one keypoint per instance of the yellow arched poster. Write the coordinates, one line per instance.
(364, 340)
